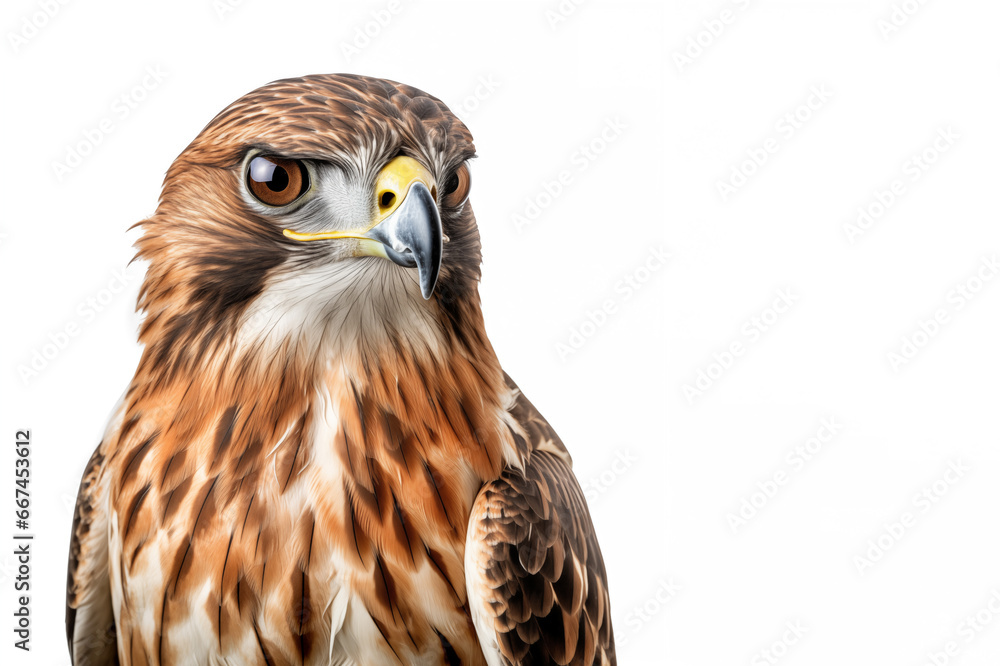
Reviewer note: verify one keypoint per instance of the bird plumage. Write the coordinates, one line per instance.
(314, 464)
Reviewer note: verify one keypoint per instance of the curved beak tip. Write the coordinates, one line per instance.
(428, 280)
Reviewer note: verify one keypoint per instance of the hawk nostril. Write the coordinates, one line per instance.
(386, 199)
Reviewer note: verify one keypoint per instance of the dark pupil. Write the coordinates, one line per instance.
(452, 184)
(279, 179)
(265, 171)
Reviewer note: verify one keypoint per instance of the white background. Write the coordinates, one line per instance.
(667, 471)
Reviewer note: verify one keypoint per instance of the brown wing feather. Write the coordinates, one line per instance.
(541, 436)
(90, 622)
(534, 568)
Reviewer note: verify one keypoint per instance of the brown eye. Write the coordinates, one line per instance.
(456, 188)
(276, 181)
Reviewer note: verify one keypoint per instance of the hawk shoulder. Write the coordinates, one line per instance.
(90, 621)
(536, 580)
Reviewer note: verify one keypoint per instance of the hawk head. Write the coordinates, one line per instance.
(330, 206)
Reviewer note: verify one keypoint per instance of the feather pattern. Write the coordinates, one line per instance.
(537, 582)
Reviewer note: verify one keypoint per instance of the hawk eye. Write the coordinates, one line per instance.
(276, 181)
(456, 188)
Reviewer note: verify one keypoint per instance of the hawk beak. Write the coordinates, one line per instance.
(407, 226)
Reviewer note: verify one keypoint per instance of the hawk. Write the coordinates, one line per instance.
(319, 459)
